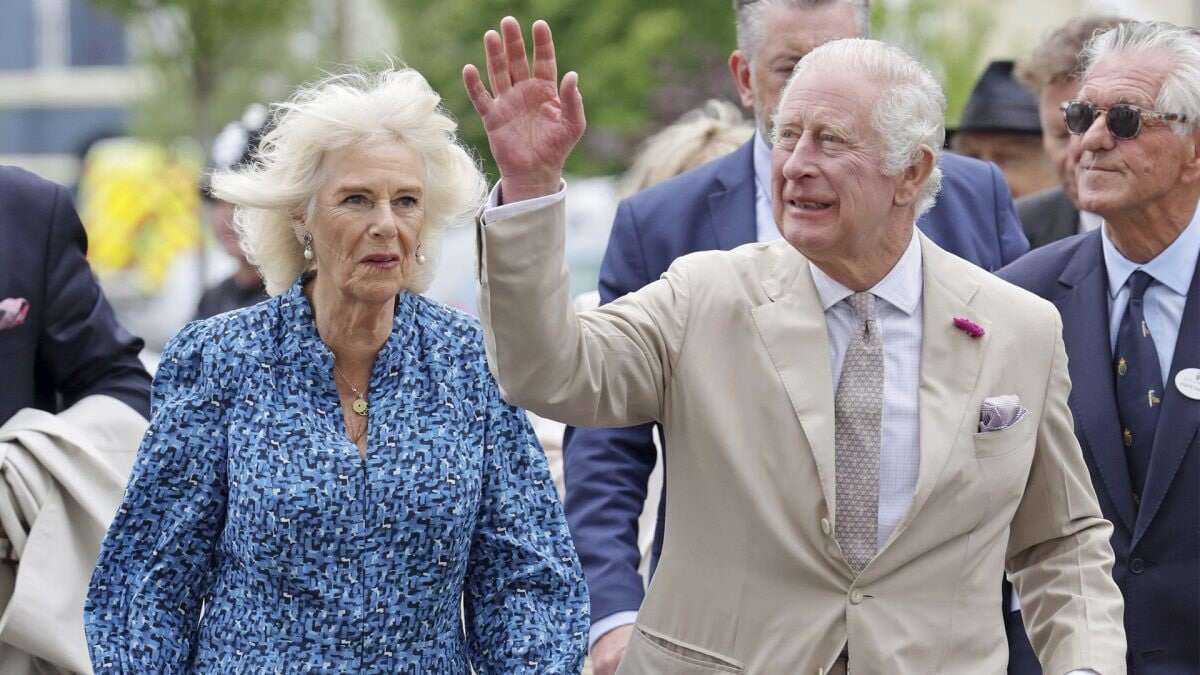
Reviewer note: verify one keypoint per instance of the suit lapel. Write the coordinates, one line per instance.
(1179, 418)
(950, 365)
(733, 205)
(792, 327)
(1083, 304)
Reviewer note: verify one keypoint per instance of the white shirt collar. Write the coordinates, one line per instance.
(901, 288)
(1172, 268)
(762, 164)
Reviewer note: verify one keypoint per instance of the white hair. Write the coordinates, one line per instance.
(1180, 92)
(341, 111)
(909, 111)
(750, 18)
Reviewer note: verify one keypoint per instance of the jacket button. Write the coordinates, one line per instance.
(826, 527)
(856, 597)
(1137, 565)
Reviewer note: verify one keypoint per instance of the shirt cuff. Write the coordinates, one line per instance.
(494, 210)
(609, 623)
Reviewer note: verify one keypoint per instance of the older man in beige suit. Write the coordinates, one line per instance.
(868, 428)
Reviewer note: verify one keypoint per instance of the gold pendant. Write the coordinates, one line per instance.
(359, 406)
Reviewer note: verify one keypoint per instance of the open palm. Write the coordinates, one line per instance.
(532, 122)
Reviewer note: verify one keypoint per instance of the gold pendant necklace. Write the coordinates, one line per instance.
(359, 406)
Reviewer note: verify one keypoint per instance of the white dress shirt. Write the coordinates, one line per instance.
(899, 319)
(764, 213)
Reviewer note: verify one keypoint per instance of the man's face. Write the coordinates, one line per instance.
(831, 199)
(1056, 140)
(1019, 156)
(788, 34)
(1115, 175)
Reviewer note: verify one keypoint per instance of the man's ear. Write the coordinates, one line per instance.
(739, 68)
(910, 180)
(1191, 166)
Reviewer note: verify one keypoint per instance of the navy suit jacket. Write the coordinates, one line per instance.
(1157, 545)
(713, 207)
(70, 344)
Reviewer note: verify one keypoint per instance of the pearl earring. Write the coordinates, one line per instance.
(420, 256)
(308, 250)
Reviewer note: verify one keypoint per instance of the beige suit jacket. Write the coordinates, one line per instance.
(729, 351)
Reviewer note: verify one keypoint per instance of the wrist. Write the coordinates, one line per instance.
(521, 188)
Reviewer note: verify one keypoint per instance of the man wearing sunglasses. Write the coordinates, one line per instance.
(1129, 297)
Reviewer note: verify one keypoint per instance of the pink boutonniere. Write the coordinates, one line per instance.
(968, 326)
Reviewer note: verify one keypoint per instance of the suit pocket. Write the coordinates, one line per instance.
(651, 653)
(1000, 443)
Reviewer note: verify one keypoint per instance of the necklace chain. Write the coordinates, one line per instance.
(360, 402)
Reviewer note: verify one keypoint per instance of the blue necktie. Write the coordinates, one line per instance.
(1139, 383)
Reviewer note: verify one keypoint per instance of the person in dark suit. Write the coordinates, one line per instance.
(1052, 73)
(721, 205)
(1129, 295)
(59, 341)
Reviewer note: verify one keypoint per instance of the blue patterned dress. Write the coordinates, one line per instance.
(253, 538)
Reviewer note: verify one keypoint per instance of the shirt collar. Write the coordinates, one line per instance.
(901, 288)
(1172, 268)
(762, 163)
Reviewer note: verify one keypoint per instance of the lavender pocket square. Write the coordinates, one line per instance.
(13, 312)
(1000, 412)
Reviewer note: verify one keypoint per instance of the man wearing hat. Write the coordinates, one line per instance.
(1000, 124)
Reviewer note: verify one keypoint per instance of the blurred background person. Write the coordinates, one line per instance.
(339, 482)
(234, 147)
(721, 205)
(1129, 295)
(1000, 124)
(1052, 71)
(73, 405)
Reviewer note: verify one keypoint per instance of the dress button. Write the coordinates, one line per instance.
(856, 597)
(1137, 565)
(826, 527)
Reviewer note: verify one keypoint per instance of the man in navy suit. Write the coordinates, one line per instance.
(721, 205)
(59, 340)
(1129, 296)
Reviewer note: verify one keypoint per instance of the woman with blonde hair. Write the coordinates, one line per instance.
(331, 481)
(701, 135)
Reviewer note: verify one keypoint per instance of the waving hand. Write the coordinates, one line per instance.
(532, 122)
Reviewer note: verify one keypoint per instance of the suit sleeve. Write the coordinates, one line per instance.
(158, 561)
(1059, 557)
(607, 470)
(86, 351)
(1010, 233)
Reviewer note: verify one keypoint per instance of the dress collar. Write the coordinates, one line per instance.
(901, 288)
(1172, 268)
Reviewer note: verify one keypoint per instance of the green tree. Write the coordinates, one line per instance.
(219, 54)
(641, 63)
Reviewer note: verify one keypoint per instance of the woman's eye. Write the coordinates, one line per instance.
(355, 200)
(406, 201)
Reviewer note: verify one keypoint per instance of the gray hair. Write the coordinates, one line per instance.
(1180, 92)
(750, 26)
(341, 111)
(910, 109)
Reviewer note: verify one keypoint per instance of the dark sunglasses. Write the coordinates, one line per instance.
(1124, 121)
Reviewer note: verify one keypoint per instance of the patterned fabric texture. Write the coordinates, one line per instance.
(254, 539)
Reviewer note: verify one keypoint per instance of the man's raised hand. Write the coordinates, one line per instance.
(532, 122)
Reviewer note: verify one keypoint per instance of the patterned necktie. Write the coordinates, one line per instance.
(858, 408)
(1139, 383)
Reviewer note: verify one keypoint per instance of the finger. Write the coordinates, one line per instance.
(514, 48)
(572, 102)
(480, 98)
(497, 64)
(545, 67)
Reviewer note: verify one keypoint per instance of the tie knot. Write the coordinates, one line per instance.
(1138, 281)
(863, 305)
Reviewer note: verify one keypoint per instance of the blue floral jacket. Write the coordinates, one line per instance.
(254, 538)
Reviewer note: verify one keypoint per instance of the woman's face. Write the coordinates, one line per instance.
(368, 218)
